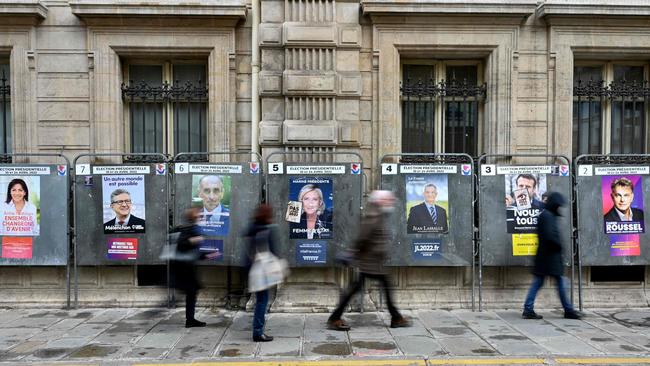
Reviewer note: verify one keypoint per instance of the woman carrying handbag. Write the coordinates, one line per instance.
(265, 269)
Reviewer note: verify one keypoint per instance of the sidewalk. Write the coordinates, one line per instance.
(136, 336)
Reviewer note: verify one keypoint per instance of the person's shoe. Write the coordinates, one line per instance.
(262, 338)
(572, 315)
(531, 315)
(338, 324)
(400, 322)
(194, 323)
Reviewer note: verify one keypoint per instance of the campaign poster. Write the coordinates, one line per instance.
(524, 201)
(212, 247)
(17, 247)
(427, 203)
(621, 245)
(122, 248)
(426, 249)
(212, 194)
(524, 244)
(622, 197)
(311, 252)
(315, 198)
(21, 206)
(123, 204)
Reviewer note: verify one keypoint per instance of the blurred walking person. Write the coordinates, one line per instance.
(548, 261)
(265, 269)
(370, 252)
(183, 266)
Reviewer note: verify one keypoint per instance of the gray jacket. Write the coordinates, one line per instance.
(372, 242)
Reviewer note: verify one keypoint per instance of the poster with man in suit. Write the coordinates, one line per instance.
(124, 204)
(427, 202)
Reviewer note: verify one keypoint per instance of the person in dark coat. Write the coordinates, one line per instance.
(370, 254)
(260, 236)
(548, 261)
(184, 273)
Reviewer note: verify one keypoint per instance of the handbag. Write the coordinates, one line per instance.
(267, 270)
(170, 251)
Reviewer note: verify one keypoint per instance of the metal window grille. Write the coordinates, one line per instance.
(628, 100)
(5, 111)
(460, 115)
(152, 107)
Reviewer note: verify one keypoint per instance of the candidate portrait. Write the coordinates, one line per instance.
(530, 183)
(622, 195)
(315, 219)
(214, 216)
(124, 221)
(427, 217)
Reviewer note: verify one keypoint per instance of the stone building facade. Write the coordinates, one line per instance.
(332, 78)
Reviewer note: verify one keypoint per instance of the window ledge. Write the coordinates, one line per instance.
(590, 8)
(516, 8)
(27, 8)
(235, 9)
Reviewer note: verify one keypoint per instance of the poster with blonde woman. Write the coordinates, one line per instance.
(20, 207)
(310, 208)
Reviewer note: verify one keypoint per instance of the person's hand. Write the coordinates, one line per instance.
(197, 239)
(509, 200)
(213, 255)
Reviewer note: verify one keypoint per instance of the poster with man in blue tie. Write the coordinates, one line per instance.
(427, 202)
(211, 194)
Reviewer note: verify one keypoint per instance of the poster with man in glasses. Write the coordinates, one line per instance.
(123, 204)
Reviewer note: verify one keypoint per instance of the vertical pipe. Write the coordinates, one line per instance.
(255, 70)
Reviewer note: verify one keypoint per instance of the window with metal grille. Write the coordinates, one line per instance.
(167, 107)
(441, 107)
(610, 108)
(5, 108)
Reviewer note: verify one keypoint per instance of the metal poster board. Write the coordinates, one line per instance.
(34, 227)
(612, 191)
(226, 194)
(317, 208)
(434, 213)
(121, 215)
(510, 199)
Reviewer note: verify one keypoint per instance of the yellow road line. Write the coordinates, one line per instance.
(602, 360)
(486, 361)
(384, 362)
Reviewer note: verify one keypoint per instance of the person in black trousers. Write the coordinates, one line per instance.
(184, 266)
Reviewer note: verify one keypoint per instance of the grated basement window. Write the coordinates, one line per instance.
(152, 275)
(617, 273)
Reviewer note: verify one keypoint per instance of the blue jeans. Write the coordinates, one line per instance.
(262, 300)
(538, 281)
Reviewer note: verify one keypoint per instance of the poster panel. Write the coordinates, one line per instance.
(21, 207)
(212, 194)
(123, 202)
(427, 203)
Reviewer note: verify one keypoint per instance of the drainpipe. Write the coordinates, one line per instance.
(255, 69)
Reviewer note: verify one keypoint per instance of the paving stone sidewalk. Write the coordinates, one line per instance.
(156, 335)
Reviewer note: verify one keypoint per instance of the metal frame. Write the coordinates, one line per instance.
(178, 158)
(130, 158)
(550, 159)
(446, 158)
(6, 158)
(601, 159)
(311, 154)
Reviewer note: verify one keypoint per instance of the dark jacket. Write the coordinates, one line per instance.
(372, 242)
(260, 237)
(548, 261)
(612, 216)
(420, 217)
(134, 225)
(297, 230)
(184, 275)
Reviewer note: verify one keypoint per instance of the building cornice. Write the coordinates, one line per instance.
(23, 8)
(234, 10)
(516, 8)
(591, 8)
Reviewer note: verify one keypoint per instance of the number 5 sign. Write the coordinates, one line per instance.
(276, 168)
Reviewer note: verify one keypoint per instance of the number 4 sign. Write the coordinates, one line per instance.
(388, 169)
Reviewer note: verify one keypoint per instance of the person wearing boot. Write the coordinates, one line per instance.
(371, 247)
(548, 260)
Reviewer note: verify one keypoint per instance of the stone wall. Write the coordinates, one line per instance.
(330, 75)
